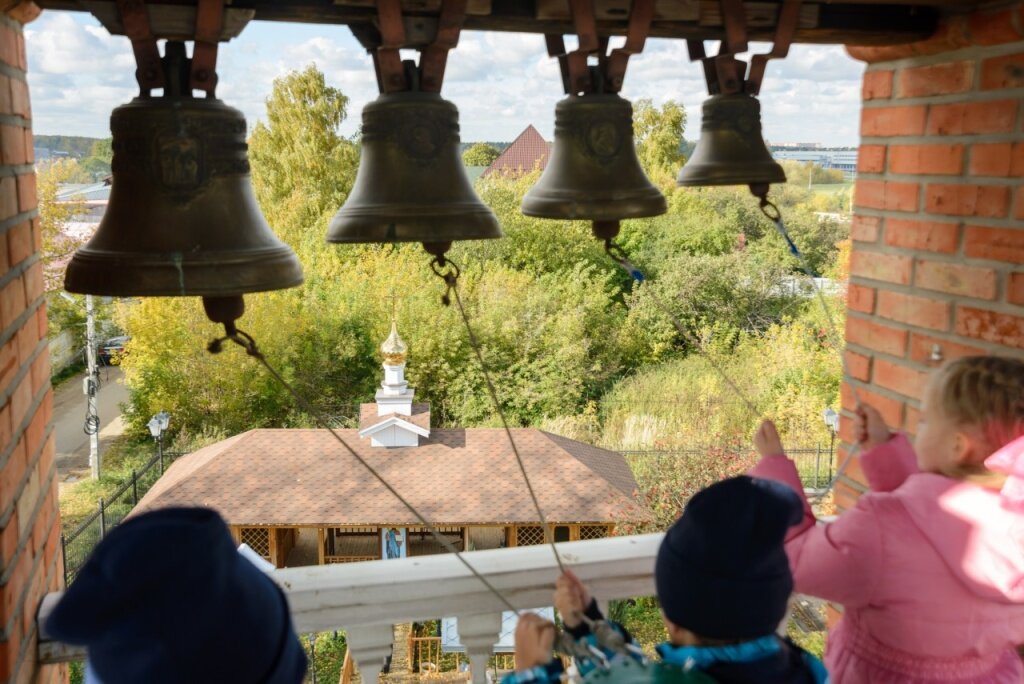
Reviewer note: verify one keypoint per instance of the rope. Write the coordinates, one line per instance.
(771, 211)
(451, 279)
(618, 255)
(773, 214)
(247, 343)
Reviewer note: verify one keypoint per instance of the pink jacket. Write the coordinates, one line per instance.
(930, 572)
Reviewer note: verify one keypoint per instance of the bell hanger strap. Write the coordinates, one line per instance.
(727, 75)
(392, 75)
(578, 77)
(149, 72)
(209, 24)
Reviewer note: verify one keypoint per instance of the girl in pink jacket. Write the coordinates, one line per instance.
(929, 564)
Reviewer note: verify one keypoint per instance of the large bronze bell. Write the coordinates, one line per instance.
(182, 218)
(593, 173)
(411, 185)
(731, 150)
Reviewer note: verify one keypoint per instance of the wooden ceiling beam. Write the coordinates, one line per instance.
(851, 22)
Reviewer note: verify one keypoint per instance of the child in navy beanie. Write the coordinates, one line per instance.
(723, 580)
(165, 597)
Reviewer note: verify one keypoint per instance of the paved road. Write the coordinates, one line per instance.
(69, 416)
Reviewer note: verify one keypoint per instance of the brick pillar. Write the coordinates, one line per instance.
(30, 563)
(938, 237)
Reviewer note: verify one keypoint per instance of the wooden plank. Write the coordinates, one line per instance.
(611, 10)
(430, 6)
(852, 22)
(759, 14)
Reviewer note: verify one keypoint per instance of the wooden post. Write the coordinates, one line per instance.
(135, 488)
(320, 541)
(103, 520)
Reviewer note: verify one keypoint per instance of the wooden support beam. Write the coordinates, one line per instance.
(852, 22)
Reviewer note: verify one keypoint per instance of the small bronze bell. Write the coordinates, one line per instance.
(593, 173)
(182, 218)
(411, 185)
(731, 150)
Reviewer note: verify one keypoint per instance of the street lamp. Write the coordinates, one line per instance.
(157, 425)
(91, 385)
(832, 422)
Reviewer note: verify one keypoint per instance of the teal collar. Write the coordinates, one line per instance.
(700, 657)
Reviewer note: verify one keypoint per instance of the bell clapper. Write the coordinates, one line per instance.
(444, 268)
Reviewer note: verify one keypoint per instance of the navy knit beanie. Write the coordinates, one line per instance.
(722, 572)
(165, 597)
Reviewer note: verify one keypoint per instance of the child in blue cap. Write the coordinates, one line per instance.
(165, 598)
(723, 580)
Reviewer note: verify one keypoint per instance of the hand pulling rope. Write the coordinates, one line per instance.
(246, 342)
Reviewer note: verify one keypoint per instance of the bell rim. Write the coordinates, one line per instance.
(208, 278)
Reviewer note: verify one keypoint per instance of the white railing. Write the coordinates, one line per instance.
(367, 599)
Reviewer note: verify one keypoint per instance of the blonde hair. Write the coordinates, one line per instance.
(985, 393)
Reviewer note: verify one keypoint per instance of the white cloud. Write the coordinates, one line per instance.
(500, 81)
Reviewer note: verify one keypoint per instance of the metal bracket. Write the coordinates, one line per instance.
(577, 76)
(391, 74)
(785, 29)
(148, 73)
(640, 18)
(726, 74)
(386, 59)
(434, 57)
(209, 24)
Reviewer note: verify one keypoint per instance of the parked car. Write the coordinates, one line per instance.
(110, 352)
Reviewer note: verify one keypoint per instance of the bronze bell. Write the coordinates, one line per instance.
(411, 185)
(731, 150)
(182, 218)
(593, 173)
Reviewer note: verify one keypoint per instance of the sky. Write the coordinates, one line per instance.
(501, 82)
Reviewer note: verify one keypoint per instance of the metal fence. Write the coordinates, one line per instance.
(816, 464)
(110, 511)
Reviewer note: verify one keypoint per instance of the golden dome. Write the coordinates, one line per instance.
(394, 348)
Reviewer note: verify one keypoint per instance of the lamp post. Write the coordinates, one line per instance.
(832, 422)
(157, 425)
(90, 386)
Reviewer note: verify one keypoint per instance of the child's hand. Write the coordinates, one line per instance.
(535, 638)
(767, 440)
(571, 598)
(869, 427)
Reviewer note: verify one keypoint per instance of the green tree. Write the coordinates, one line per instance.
(302, 167)
(480, 154)
(658, 134)
(103, 149)
(54, 215)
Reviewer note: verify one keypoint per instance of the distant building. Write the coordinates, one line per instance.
(840, 160)
(527, 152)
(799, 145)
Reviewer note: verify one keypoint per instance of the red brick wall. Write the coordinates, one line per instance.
(29, 516)
(938, 238)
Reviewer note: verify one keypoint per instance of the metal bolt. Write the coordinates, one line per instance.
(936, 354)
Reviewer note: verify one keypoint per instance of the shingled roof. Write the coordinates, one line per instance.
(456, 477)
(527, 151)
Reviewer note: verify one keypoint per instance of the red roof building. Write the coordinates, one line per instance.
(527, 152)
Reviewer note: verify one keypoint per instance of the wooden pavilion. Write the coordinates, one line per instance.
(298, 497)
